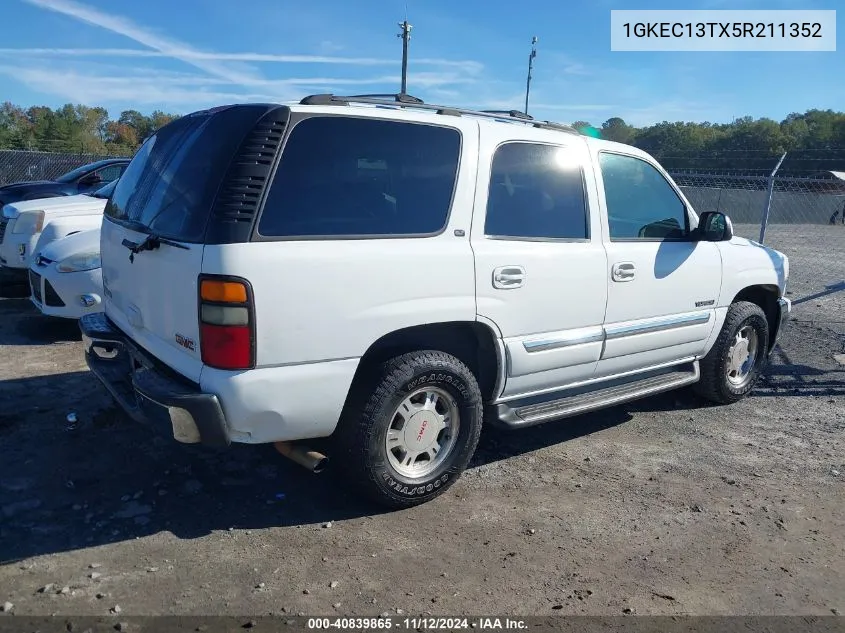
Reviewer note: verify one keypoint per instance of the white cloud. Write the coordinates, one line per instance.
(236, 73)
(99, 84)
(467, 66)
(144, 90)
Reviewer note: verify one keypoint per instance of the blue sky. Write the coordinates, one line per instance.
(183, 55)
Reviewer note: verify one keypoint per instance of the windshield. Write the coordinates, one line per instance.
(104, 192)
(74, 174)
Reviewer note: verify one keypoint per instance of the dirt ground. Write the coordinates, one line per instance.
(663, 506)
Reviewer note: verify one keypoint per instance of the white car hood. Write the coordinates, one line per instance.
(63, 205)
(76, 244)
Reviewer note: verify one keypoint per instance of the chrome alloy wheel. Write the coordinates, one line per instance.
(742, 356)
(423, 432)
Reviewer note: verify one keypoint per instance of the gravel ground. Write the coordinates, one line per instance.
(664, 506)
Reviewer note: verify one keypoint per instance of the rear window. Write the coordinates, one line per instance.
(170, 185)
(346, 177)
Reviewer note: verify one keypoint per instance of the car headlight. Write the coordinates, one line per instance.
(78, 263)
(29, 222)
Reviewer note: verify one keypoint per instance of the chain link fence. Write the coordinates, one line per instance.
(801, 215)
(21, 165)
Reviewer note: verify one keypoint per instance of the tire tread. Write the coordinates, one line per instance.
(711, 385)
(356, 426)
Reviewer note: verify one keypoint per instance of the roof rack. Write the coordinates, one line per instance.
(516, 114)
(402, 100)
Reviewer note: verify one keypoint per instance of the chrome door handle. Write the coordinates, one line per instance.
(508, 277)
(623, 271)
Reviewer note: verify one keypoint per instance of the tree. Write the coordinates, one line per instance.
(615, 129)
(745, 143)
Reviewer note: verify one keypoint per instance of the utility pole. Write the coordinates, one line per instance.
(406, 37)
(530, 68)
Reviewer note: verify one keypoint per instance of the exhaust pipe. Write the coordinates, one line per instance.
(312, 460)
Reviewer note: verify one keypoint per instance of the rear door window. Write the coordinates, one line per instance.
(348, 177)
(536, 192)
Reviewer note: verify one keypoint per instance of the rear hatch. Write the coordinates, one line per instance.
(154, 229)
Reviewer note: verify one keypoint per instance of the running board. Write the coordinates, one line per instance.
(517, 415)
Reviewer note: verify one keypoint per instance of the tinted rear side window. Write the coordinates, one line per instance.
(344, 176)
(170, 185)
(536, 191)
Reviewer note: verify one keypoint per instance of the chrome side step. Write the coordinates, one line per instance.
(563, 405)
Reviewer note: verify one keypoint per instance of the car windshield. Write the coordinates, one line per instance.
(74, 174)
(104, 192)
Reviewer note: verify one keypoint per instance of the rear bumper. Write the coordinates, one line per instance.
(146, 391)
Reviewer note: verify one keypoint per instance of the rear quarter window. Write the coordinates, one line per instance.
(359, 177)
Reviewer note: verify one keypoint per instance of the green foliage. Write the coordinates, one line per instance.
(76, 128)
(746, 143)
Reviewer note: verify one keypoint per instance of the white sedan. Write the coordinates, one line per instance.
(65, 278)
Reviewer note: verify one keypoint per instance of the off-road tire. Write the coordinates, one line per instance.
(359, 441)
(714, 384)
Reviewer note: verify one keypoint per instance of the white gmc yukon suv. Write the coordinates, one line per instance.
(390, 274)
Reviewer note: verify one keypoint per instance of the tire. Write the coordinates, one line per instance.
(390, 399)
(720, 381)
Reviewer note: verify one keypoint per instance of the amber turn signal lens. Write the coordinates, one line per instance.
(223, 291)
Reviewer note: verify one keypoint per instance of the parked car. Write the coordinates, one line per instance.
(83, 179)
(33, 224)
(392, 277)
(65, 277)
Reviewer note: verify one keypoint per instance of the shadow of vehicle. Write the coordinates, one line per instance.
(22, 324)
(110, 480)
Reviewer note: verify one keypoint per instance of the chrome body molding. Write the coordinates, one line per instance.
(657, 325)
(615, 331)
(565, 339)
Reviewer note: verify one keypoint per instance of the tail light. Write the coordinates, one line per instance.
(227, 323)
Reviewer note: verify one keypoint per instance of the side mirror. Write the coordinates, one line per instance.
(714, 226)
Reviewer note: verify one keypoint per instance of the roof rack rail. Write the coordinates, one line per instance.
(402, 100)
(551, 125)
(400, 97)
(516, 114)
(327, 99)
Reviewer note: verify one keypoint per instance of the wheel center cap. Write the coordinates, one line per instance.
(421, 431)
(740, 354)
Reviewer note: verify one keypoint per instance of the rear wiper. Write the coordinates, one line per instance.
(150, 243)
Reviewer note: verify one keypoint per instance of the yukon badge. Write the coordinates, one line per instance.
(187, 343)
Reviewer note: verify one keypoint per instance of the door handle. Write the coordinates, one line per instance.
(508, 277)
(623, 271)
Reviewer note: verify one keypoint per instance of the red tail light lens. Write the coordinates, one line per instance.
(226, 346)
(227, 338)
